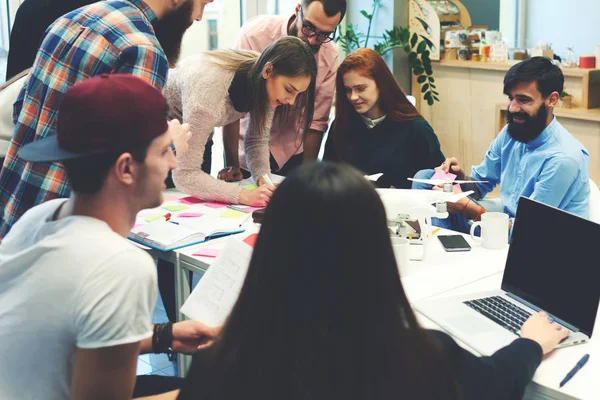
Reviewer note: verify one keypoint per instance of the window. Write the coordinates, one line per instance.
(213, 35)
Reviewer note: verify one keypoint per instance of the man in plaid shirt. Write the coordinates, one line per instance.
(138, 37)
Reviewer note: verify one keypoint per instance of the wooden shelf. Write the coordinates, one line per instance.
(572, 113)
(495, 66)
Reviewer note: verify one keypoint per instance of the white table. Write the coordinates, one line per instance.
(584, 385)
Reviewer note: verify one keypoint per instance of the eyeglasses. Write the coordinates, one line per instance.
(309, 31)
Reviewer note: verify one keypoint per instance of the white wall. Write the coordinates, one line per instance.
(563, 23)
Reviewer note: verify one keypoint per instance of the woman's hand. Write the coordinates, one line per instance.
(258, 197)
(544, 331)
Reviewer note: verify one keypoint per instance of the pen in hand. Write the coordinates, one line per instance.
(575, 369)
(267, 179)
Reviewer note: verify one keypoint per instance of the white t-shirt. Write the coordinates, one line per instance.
(66, 284)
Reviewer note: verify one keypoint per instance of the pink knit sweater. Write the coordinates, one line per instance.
(197, 93)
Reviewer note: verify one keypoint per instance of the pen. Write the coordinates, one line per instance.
(173, 222)
(575, 369)
(267, 179)
(436, 230)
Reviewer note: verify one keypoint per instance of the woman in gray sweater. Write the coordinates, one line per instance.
(219, 87)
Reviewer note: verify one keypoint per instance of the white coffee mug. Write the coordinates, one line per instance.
(401, 248)
(494, 230)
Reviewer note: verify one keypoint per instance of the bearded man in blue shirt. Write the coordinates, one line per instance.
(533, 156)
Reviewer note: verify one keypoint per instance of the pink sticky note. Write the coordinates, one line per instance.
(439, 174)
(252, 209)
(214, 205)
(169, 198)
(189, 200)
(136, 226)
(189, 215)
(207, 253)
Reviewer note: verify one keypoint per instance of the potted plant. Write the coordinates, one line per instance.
(397, 37)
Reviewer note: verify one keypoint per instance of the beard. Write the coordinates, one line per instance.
(169, 30)
(531, 128)
(293, 31)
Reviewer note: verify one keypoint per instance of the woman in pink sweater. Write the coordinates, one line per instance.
(219, 87)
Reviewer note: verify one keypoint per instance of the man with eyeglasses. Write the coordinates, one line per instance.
(315, 22)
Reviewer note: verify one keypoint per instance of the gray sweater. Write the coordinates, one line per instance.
(197, 93)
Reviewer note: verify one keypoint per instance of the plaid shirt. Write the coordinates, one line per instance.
(114, 36)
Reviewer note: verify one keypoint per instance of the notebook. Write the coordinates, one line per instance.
(181, 232)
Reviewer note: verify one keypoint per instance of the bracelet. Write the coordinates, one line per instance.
(465, 206)
(162, 338)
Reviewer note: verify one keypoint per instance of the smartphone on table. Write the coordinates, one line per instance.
(454, 243)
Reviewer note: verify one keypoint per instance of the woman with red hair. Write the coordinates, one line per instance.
(376, 128)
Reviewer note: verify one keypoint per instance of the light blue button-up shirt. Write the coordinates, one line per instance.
(552, 169)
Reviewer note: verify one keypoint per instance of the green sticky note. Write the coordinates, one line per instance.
(252, 186)
(152, 218)
(233, 214)
(176, 207)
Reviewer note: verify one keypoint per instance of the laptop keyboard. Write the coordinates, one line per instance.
(502, 312)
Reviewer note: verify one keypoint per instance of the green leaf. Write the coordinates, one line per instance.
(432, 85)
(418, 71)
(430, 102)
(426, 54)
(413, 40)
(412, 56)
(436, 98)
(407, 49)
(416, 64)
(404, 35)
(424, 88)
(422, 47)
(366, 14)
(430, 78)
(421, 79)
(427, 96)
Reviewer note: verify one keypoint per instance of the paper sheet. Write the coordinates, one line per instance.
(215, 295)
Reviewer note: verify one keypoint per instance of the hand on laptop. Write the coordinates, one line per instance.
(541, 330)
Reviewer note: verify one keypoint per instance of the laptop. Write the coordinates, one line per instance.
(552, 266)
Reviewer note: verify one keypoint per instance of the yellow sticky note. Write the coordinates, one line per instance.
(251, 186)
(176, 207)
(232, 214)
(152, 218)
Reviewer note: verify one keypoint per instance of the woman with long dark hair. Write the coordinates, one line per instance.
(322, 314)
(376, 128)
(219, 87)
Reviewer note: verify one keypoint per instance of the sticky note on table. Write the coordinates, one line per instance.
(152, 218)
(189, 215)
(232, 214)
(189, 200)
(439, 174)
(176, 207)
(207, 252)
(214, 205)
(251, 240)
(169, 198)
(252, 186)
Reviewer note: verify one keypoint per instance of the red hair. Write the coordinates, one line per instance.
(392, 100)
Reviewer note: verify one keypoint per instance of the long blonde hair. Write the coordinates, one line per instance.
(289, 56)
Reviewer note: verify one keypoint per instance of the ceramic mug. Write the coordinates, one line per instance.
(401, 247)
(494, 230)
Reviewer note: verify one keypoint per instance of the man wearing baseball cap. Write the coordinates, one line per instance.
(76, 297)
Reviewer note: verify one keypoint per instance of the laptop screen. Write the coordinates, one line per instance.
(553, 263)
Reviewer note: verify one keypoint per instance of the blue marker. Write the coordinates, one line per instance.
(174, 222)
(575, 369)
